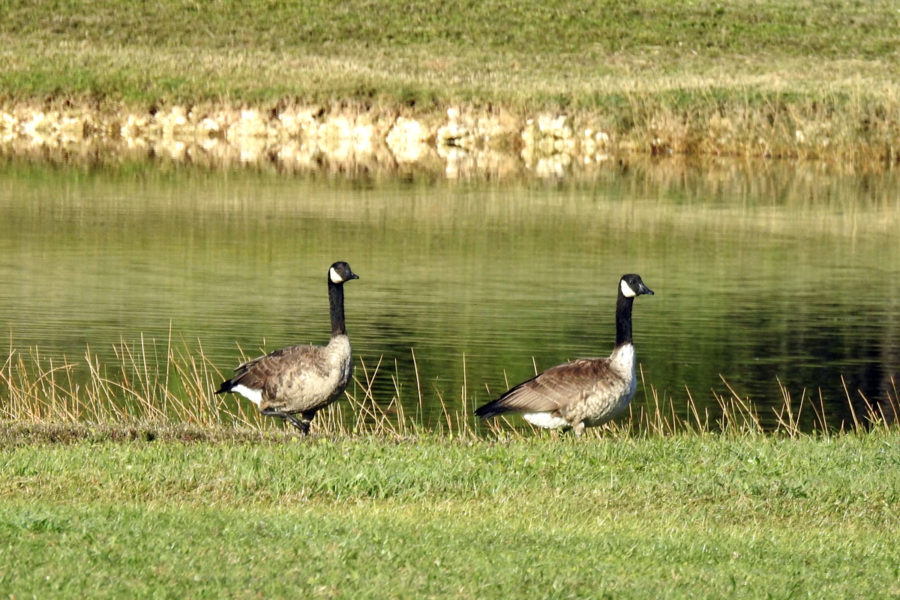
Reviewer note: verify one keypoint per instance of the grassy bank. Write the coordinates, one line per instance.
(770, 78)
(685, 516)
(140, 482)
(524, 54)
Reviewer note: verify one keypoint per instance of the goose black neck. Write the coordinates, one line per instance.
(623, 320)
(336, 302)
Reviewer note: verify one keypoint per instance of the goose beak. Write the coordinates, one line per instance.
(355, 276)
(645, 290)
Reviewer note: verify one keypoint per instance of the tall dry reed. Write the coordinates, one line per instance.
(177, 388)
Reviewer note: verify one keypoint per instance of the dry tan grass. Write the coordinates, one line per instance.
(176, 390)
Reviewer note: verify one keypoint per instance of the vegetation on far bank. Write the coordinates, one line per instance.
(528, 55)
(770, 78)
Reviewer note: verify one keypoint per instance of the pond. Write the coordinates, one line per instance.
(763, 272)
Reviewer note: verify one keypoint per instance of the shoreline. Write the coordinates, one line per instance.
(462, 142)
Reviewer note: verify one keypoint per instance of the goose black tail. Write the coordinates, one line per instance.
(226, 386)
(491, 409)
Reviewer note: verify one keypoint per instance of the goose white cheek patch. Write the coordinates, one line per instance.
(333, 275)
(626, 290)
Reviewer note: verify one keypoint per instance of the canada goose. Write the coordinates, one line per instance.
(301, 379)
(585, 392)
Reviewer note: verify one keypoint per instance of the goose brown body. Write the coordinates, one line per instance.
(585, 392)
(301, 379)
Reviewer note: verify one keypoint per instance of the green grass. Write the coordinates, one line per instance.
(526, 55)
(685, 516)
(485, 51)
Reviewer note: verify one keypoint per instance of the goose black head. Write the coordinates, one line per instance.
(632, 285)
(340, 272)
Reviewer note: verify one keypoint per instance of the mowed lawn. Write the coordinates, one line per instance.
(687, 516)
(526, 54)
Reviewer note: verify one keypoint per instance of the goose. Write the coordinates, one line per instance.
(301, 379)
(585, 392)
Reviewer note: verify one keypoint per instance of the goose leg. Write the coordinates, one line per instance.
(303, 425)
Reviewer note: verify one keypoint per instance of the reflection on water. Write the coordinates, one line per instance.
(761, 274)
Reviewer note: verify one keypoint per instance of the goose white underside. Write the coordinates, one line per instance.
(545, 420)
(254, 396)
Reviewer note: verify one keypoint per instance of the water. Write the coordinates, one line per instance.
(762, 273)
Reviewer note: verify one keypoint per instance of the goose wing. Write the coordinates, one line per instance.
(551, 391)
(269, 372)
